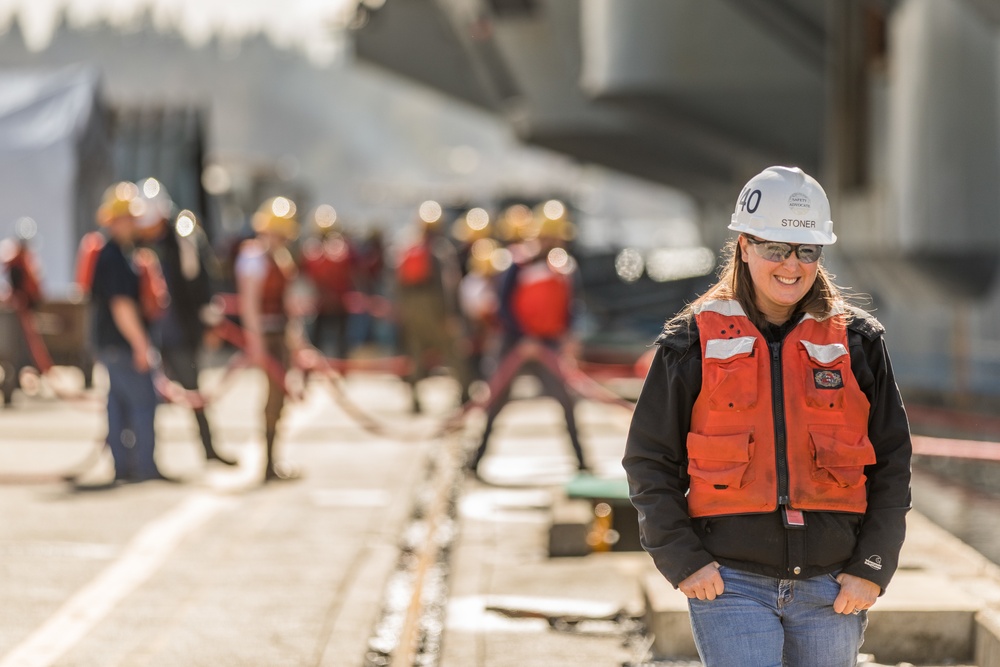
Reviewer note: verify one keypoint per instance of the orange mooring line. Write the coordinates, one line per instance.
(962, 449)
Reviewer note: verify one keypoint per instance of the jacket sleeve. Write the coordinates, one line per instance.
(655, 461)
(880, 539)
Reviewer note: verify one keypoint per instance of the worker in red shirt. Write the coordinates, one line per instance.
(330, 263)
(536, 302)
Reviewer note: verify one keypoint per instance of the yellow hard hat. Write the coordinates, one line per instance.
(514, 223)
(472, 226)
(277, 216)
(430, 216)
(121, 200)
(324, 219)
(481, 257)
(552, 221)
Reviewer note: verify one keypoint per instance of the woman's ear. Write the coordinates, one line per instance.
(742, 243)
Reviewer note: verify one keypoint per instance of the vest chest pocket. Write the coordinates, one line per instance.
(730, 373)
(840, 456)
(825, 369)
(723, 461)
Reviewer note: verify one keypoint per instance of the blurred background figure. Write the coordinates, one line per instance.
(371, 281)
(121, 337)
(265, 269)
(330, 263)
(427, 276)
(21, 266)
(189, 269)
(474, 225)
(535, 307)
(514, 224)
(479, 303)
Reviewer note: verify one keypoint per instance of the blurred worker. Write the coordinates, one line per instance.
(514, 224)
(264, 271)
(536, 298)
(121, 337)
(189, 268)
(427, 275)
(474, 225)
(329, 262)
(479, 302)
(769, 451)
(372, 283)
(22, 268)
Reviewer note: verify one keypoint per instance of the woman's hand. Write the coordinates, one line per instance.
(856, 594)
(705, 584)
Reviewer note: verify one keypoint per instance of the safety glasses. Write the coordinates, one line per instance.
(773, 251)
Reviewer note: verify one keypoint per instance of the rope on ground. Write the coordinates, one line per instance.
(333, 369)
(505, 374)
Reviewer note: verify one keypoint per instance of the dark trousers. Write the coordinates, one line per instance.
(180, 363)
(277, 348)
(552, 385)
(326, 324)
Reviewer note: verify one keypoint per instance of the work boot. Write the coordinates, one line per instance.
(206, 441)
(276, 473)
(213, 455)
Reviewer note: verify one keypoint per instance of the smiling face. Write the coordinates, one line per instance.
(778, 286)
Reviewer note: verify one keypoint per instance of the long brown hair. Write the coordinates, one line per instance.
(735, 283)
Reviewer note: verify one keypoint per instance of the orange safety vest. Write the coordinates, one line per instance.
(541, 299)
(733, 451)
(329, 265)
(280, 272)
(154, 297)
(21, 269)
(415, 265)
(86, 260)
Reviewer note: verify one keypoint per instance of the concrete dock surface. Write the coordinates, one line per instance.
(219, 569)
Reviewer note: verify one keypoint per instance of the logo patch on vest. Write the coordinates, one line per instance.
(826, 379)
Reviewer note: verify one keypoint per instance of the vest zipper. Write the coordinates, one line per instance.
(778, 409)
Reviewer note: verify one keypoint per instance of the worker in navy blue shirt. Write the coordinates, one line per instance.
(121, 339)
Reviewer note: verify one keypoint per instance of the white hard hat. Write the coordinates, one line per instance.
(784, 204)
(159, 206)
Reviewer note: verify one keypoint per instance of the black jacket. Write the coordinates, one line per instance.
(656, 465)
(182, 325)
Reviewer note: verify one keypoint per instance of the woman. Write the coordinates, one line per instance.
(769, 451)
(264, 272)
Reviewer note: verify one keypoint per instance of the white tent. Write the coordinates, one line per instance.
(54, 160)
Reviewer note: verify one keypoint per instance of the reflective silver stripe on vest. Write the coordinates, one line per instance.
(727, 307)
(725, 348)
(824, 354)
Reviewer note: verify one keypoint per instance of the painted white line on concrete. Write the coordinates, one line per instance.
(147, 551)
(359, 498)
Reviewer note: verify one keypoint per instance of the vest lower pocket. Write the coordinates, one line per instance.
(840, 455)
(722, 461)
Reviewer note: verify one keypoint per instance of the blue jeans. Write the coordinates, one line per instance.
(761, 621)
(132, 403)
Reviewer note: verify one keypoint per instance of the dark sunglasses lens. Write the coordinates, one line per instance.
(774, 252)
(808, 254)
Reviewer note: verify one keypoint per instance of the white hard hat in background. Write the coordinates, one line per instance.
(159, 206)
(784, 204)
